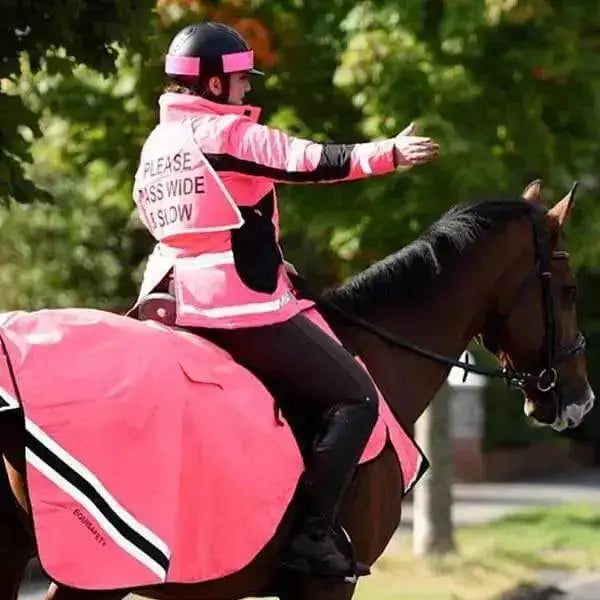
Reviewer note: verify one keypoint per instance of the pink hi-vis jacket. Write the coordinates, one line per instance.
(205, 189)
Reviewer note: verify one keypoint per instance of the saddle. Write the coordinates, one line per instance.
(160, 305)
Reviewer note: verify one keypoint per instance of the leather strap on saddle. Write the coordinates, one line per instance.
(158, 306)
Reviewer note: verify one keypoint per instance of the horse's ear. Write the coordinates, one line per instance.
(533, 192)
(560, 211)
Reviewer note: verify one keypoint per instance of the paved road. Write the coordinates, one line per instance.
(34, 587)
(33, 590)
(480, 503)
(483, 502)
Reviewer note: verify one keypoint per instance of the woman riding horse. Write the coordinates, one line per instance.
(205, 191)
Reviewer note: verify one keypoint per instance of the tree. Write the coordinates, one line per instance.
(432, 508)
(496, 83)
(86, 249)
(86, 31)
(505, 86)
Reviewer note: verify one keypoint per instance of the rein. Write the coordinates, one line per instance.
(545, 381)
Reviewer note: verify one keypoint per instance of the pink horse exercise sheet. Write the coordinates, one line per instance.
(151, 455)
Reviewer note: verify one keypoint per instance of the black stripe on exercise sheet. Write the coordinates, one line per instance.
(75, 479)
(333, 165)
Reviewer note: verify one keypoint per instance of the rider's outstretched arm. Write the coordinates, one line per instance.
(262, 151)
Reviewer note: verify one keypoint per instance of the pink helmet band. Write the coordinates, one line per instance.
(190, 65)
(238, 61)
(182, 65)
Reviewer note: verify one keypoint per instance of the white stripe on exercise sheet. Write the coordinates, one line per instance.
(103, 522)
(9, 399)
(79, 468)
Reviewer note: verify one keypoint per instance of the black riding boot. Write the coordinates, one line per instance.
(335, 454)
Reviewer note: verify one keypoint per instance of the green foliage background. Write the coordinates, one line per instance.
(510, 88)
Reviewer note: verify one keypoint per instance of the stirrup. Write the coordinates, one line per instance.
(304, 571)
(359, 569)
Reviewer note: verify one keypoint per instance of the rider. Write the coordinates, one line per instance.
(205, 190)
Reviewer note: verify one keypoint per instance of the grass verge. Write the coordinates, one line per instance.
(490, 558)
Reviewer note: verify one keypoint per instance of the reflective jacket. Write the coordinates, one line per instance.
(205, 189)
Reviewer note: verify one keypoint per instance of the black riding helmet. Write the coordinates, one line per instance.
(199, 52)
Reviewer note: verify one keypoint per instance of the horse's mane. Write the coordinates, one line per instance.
(412, 273)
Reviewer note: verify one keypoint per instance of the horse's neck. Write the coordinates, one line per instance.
(444, 324)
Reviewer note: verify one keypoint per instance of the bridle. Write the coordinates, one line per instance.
(547, 379)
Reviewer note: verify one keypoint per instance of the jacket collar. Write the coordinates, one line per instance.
(174, 107)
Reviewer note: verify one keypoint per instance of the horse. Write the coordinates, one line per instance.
(496, 270)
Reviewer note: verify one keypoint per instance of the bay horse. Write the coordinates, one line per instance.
(497, 270)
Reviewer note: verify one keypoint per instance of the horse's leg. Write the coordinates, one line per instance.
(16, 547)
(16, 543)
(57, 592)
(12, 568)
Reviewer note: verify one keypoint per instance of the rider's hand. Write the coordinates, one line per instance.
(410, 150)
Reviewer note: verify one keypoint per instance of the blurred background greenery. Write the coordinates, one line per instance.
(510, 88)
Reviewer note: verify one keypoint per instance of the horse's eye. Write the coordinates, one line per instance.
(569, 293)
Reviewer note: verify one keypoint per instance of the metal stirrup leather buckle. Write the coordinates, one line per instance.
(159, 307)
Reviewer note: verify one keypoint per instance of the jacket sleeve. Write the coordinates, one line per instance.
(262, 151)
